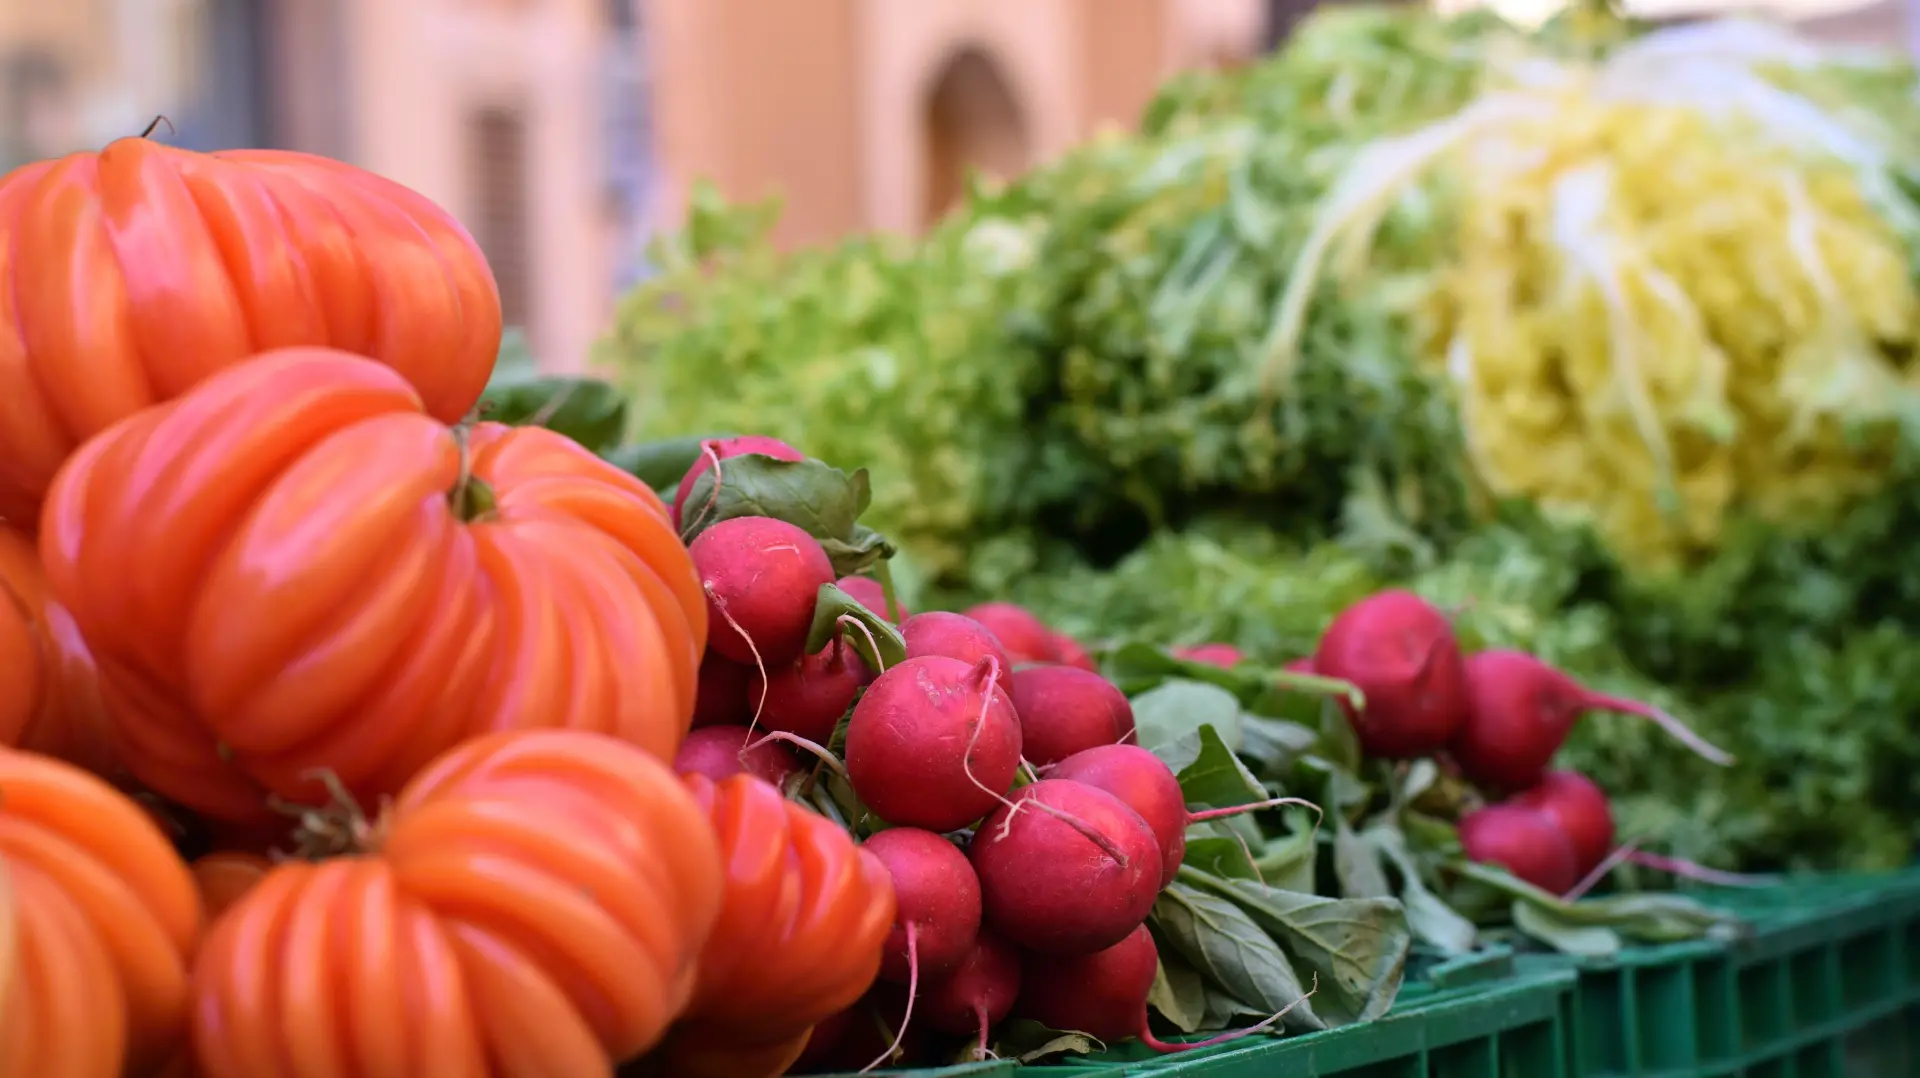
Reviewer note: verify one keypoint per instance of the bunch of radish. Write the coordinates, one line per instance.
(1496, 716)
(1026, 835)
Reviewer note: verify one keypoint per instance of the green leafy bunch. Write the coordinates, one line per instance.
(873, 353)
(1821, 729)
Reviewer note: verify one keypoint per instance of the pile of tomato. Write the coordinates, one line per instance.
(408, 680)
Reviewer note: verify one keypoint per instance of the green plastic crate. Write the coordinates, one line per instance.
(1826, 986)
(1468, 1024)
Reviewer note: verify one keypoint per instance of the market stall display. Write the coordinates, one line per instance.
(1242, 593)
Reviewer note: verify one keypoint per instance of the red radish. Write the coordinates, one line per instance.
(717, 449)
(1302, 665)
(1026, 638)
(1522, 709)
(1400, 652)
(1581, 811)
(955, 636)
(976, 996)
(934, 743)
(721, 699)
(1072, 654)
(937, 902)
(1525, 842)
(1104, 994)
(1225, 656)
(1065, 868)
(1144, 783)
(762, 577)
(867, 591)
(809, 698)
(1064, 710)
(719, 752)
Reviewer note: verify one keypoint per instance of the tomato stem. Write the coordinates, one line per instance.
(471, 497)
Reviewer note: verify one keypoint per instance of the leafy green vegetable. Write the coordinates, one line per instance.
(1179, 994)
(659, 464)
(1357, 946)
(1216, 777)
(1220, 940)
(588, 410)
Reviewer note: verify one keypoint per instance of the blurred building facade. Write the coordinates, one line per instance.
(866, 114)
(564, 131)
(525, 118)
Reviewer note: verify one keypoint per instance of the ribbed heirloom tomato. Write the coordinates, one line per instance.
(105, 920)
(129, 275)
(49, 691)
(799, 937)
(292, 567)
(531, 906)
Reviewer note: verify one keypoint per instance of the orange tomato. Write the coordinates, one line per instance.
(224, 875)
(799, 937)
(129, 275)
(106, 918)
(533, 904)
(275, 577)
(50, 702)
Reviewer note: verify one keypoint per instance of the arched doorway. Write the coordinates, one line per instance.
(973, 122)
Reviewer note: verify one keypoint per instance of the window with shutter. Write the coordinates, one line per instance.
(498, 172)
(973, 123)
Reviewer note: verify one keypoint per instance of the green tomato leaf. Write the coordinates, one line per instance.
(872, 637)
(1358, 946)
(587, 410)
(659, 464)
(1228, 947)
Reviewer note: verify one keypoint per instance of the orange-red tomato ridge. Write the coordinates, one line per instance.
(129, 275)
(273, 580)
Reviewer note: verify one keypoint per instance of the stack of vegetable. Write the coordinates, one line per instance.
(1046, 832)
(1636, 305)
(404, 685)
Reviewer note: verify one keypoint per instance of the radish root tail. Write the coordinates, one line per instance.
(707, 508)
(1607, 864)
(1675, 729)
(813, 748)
(1320, 814)
(1692, 871)
(913, 990)
(758, 663)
